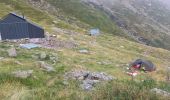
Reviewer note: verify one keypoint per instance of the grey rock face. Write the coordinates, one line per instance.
(22, 74)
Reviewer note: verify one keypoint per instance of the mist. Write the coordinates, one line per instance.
(167, 2)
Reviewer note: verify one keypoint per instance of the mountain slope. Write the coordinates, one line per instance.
(107, 53)
(146, 21)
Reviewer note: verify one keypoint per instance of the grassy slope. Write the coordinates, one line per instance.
(144, 26)
(89, 15)
(116, 50)
(97, 18)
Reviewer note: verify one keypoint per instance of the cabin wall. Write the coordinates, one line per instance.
(16, 27)
(35, 31)
(14, 31)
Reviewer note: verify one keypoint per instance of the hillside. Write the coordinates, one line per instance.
(146, 21)
(109, 53)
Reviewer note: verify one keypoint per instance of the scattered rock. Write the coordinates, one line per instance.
(50, 42)
(88, 79)
(46, 66)
(43, 55)
(19, 63)
(87, 85)
(35, 57)
(84, 51)
(54, 58)
(76, 74)
(65, 82)
(122, 47)
(160, 92)
(100, 76)
(23, 74)
(104, 63)
(12, 52)
(1, 58)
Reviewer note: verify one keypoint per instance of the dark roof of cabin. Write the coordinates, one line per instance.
(14, 14)
(20, 17)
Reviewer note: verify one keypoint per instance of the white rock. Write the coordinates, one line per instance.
(23, 74)
(84, 51)
(1, 58)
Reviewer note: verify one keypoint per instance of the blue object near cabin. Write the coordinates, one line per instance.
(94, 32)
(29, 46)
(13, 26)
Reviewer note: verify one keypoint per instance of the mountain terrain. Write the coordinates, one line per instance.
(130, 29)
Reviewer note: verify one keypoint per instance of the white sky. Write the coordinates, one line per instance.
(166, 1)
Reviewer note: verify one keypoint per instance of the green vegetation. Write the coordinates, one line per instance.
(86, 14)
(118, 51)
(44, 85)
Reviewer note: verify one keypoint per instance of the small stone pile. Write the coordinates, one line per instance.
(88, 79)
(51, 42)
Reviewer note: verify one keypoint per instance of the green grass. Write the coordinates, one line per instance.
(43, 85)
(88, 15)
(110, 48)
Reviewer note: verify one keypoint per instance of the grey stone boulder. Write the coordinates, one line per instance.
(160, 92)
(46, 66)
(12, 52)
(22, 74)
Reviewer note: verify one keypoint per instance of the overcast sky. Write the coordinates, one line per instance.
(166, 1)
